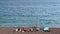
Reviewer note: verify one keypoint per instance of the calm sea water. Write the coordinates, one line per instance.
(27, 13)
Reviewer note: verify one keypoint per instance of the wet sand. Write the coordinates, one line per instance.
(11, 31)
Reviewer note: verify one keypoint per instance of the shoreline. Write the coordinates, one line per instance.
(27, 27)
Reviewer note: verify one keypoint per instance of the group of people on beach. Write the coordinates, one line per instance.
(31, 29)
(35, 28)
(24, 29)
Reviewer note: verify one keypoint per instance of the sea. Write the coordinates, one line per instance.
(28, 13)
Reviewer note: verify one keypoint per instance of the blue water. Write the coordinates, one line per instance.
(27, 13)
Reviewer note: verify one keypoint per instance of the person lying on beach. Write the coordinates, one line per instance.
(28, 29)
